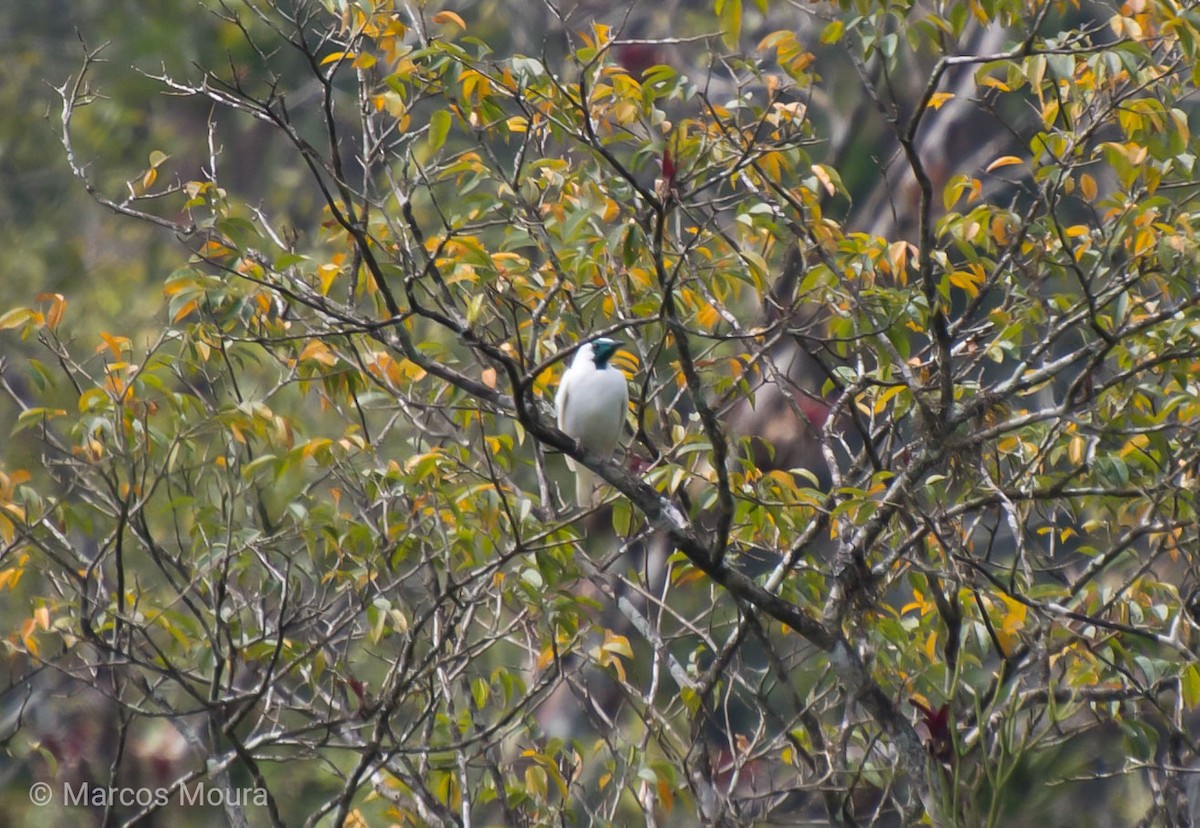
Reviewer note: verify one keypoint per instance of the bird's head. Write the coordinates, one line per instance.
(603, 349)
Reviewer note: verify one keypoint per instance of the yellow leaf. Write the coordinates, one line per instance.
(1014, 614)
(938, 98)
(824, 177)
(15, 318)
(618, 644)
(707, 317)
(898, 256)
(1136, 443)
(1050, 112)
(318, 351)
(9, 577)
(1003, 161)
(886, 397)
(1075, 450)
(781, 39)
(1087, 187)
(335, 56)
(327, 273)
(315, 445)
(967, 281)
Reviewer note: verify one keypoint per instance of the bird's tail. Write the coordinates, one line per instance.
(585, 486)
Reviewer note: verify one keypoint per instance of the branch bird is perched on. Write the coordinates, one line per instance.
(592, 400)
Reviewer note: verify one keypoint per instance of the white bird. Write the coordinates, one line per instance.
(592, 401)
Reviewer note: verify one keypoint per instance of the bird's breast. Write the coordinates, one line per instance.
(596, 410)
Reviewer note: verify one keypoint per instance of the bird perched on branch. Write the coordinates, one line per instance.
(592, 400)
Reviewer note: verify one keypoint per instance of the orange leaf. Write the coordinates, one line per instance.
(116, 344)
(1003, 161)
(450, 17)
(187, 308)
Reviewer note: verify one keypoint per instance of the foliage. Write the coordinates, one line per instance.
(908, 516)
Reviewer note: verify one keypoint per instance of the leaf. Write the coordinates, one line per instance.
(619, 644)
(318, 352)
(938, 98)
(1190, 685)
(15, 318)
(833, 32)
(1087, 187)
(115, 344)
(444, 17)
(729, 12)
(185, 309)
(887, 395)
(10, 577)
(955, 188)
(327, 273)
(967, 281)
(35, 416)
(439, 128)
(58, 305)
(157, 158)
(1003, 161)
(828, 177)
(898, 256)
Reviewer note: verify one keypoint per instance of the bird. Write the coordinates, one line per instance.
(591, 402)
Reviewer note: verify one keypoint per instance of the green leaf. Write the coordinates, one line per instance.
(729, 13)
(1190, 685)
(32, 416)
(832, 33)
(439, 128)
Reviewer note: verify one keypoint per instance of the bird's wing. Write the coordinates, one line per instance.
(561, 400)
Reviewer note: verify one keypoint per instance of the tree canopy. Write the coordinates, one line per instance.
(903, 530)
